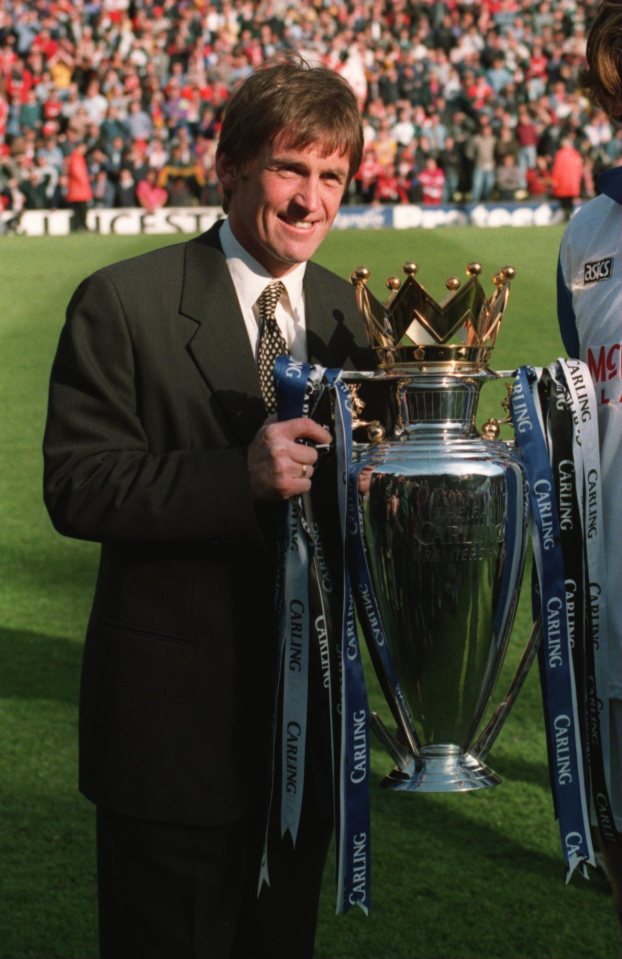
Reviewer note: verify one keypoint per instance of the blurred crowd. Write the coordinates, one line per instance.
(117, 103)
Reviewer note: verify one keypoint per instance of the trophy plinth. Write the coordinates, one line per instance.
(442, 768)
(445, 521)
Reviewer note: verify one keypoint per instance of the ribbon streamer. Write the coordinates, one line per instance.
(299, 387)
(563, 726)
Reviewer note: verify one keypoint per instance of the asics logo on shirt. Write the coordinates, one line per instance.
(598, 270)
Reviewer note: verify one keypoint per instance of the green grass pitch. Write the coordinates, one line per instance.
(454, 877)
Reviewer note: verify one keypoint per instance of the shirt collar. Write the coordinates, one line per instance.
(610, 183)
(250, 278)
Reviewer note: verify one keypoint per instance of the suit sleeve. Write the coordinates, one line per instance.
(102, 478)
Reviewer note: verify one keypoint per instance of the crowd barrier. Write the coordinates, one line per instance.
(192, 220)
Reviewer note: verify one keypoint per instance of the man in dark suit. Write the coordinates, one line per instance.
(159, 445)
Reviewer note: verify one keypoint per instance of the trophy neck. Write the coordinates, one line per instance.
(440, 404)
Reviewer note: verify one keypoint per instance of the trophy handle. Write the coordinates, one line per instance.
(405, 761)
(484, 742)
(491, 429)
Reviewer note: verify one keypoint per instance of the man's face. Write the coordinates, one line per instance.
(283, 202)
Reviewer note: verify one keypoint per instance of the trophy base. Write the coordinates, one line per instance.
(441, 769)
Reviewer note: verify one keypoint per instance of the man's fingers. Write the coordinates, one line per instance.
(301, 428)
(281, 459)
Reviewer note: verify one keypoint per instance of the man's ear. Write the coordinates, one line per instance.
(226, 171)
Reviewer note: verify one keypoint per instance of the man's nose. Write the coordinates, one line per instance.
(308, 194)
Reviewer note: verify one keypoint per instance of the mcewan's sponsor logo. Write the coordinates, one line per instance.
(605, 362)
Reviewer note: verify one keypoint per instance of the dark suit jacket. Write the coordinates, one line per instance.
(154, 399)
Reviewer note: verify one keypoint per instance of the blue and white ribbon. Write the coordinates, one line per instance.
(295, 389)
(562, 721)
(594, 625)
(354, 834)
(298, 387)
(556, 662)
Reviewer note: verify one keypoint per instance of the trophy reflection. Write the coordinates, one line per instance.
(445, 524)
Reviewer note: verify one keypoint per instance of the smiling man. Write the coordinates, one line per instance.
(161, 446)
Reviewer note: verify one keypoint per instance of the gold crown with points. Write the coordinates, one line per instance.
(411, 329)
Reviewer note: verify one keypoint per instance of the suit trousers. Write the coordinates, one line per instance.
(190, 892)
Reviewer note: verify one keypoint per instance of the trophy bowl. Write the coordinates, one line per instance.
(444, 515)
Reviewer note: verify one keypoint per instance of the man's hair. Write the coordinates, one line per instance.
(309, 104)
(602, 78)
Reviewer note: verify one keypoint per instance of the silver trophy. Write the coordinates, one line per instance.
(445, 526)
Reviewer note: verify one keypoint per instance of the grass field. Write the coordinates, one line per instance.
(454, 877)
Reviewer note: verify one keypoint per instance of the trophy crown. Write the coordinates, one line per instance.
(412, 329)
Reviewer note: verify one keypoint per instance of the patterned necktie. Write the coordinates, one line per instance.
(271, 342)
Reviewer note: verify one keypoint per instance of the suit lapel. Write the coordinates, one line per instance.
(217, 337)
(218, 341)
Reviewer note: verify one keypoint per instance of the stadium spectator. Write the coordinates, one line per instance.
(182, 177)
(432, 182)
(50, 148)
(388, 187)
(94, 103)
(452, 161)
(125, 190)
(539, 180)
(33, 187)
(157, 155)
(103, 189)
(365, 179)
(138, 122)
(30, 112)
(481, 148)
(385, 146)
(113, 127)
(498, 75)
(506, 145)
(527, 138)
(599, 129)
(567, 176)
(151, 196)
(78, 191)
(12, 200)
(508, 179)
(403, 131)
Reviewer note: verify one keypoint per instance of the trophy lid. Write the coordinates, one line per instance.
(412, 330)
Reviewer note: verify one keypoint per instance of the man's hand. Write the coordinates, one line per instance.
(279, 465)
